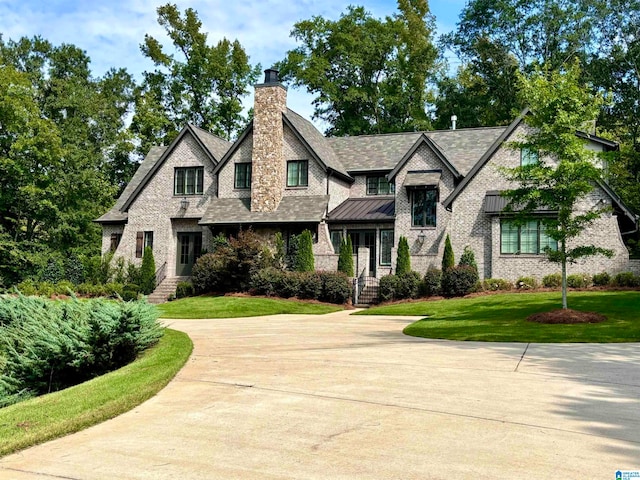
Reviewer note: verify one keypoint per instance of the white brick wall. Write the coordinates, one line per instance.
(155, 205)
(423, 253)
(471, 227)
(227, 172)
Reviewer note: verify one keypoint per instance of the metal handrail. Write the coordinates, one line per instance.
(161, 273)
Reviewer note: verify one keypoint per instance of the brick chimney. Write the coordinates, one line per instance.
(268, 166)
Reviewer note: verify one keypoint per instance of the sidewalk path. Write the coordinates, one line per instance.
(351, 397)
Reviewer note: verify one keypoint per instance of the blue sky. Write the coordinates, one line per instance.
(111, 31)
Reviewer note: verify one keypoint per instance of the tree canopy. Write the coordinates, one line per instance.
(368, 75)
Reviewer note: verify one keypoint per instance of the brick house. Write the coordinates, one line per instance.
(283, 175)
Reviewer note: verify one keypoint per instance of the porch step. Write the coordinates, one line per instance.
(166, 288)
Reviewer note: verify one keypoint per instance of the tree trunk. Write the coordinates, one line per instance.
(564, 274)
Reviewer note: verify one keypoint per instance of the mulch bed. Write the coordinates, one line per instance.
(566, 316)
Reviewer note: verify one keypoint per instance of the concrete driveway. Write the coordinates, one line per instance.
(350, 397)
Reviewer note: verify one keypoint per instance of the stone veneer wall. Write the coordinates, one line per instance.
(470, 226)
(153, 209)
(268, 169)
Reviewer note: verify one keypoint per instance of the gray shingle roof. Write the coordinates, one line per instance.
(463, 147)
(364, 209)
(116, 215)
(419, 179)
(294, 209)
(316, 141)
(217, 146)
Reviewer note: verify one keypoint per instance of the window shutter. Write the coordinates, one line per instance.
(114, 242)
(139, 244)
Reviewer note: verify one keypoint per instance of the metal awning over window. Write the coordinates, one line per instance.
(422, 180)
(495, 203)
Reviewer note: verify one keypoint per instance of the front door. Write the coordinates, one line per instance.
(189, 249)
(365, 238)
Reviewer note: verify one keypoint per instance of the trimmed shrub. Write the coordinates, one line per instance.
(304, 255)
(388, 288)
(64, 287)
(626, 279)
(448, 259)
(578, 280)
(553, 280)
(345, 259)
(184, 289)
(134, 273)
(526, 283)
(468, 258)
(209, 273)
(601, 279)
(45, 289)
(74, 269)
(336, 287)
(432, 281)
(53, 272)
(403, 264)
(266, 281)
(130, 292)
(119, 271)
(310, 285)
(148, 272)
(459, 281)
(27, 288)
(279, 257)
(113, 289)
(408, 285)
(495, 284)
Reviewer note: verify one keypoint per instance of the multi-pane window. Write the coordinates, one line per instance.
(423, 207)
(336, 240)
(143, 240)
(188, 181)
(242, 176)
(528, 157)
(297, 173)
(379, 185)
(386, 244)
(530, 237)
(148, 240)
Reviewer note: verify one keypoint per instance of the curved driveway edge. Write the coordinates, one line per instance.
(341, 397)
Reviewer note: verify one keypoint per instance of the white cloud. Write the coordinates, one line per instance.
(111, 31)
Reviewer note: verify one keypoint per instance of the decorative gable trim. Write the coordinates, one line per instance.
(484, 159)
(188, 129)
(424, 140)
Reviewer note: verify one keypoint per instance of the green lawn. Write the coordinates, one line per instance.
(50, 416)
(501, 318)
(232, 307)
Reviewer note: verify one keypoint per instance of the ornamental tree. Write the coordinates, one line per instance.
(566, 171)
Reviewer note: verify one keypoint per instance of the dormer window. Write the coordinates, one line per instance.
(188, 181)
(379, 185)
(298, 173)
(528, 157)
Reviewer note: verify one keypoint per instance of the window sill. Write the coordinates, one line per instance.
(179, 195)
(423, 228)
(305, 187)
(522, 255)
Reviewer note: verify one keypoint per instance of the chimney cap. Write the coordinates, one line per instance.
(271, 76)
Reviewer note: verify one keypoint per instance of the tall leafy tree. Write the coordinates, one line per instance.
(198, 83)
(497, 38)
(90, 159)
(368, 75)
(566, 171)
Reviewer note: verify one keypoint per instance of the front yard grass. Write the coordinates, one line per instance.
(67, 411)
(502, 317)
(233, 307)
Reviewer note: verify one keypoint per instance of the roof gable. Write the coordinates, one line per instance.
(188, 130)
(424, 140)
(484, 159)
